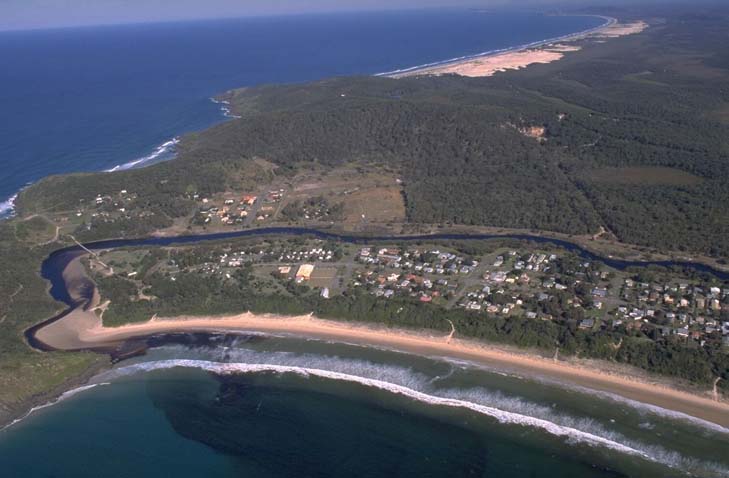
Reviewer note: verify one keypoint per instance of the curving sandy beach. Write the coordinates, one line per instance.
(490, 64)
(83, 329)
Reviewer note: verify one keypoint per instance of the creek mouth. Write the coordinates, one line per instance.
(55, 264)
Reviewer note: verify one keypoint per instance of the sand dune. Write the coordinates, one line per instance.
(488, 65)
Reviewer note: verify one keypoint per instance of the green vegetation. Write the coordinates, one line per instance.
(648, 107)
(27, 375)
(636, 141)
(35, 229)
(316, 207)
(193, 281)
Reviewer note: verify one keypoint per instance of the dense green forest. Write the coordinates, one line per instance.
(656, 101)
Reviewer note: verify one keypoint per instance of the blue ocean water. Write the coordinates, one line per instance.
(263, 406)
(90, 99)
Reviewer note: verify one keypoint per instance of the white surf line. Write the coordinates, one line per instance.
(565, 385)
(643, 407)
(225, 108)
(63, 396)
(159, 151)
(8, 206)
(500, 415)
(609, 21)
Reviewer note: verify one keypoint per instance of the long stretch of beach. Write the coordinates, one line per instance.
(547, 51)
(84, 329)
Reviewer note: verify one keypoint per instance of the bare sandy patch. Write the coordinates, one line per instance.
(488, 65)
(622, 29)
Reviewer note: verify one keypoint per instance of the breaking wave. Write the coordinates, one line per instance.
(500, 415)
(225, 108)
(8, 206)
(166, 148)
(60, 398)
(653, 409)
(404, 381)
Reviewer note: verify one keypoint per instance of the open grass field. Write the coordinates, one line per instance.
(367, 196)
(323, 276)
(35, 230)
(380, 204)
(648, 176)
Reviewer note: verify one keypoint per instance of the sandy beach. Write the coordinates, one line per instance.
(490, 64)
(83, 329)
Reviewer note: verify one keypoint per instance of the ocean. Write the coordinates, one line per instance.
(92, 99)
(266, 406)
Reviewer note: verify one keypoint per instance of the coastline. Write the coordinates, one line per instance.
(518, 57)
(67, 389)
(7, 205)
(82, 328)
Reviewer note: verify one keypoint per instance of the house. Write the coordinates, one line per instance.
(304, 272)
(497, 277)
(587, 324)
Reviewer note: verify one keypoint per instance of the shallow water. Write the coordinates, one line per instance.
(281, 406)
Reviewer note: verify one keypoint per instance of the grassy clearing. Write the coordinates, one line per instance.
(376, 195)
(35, 230)
(383, 204)
(323, 276)
(644, 77)
(646, 176)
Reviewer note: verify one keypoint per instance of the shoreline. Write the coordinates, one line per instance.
(69, 388)
(7, 206)
(424, 68)
(83, 329)
(514, 58)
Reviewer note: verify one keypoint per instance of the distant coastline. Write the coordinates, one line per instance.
(166, 149)
(424, 68)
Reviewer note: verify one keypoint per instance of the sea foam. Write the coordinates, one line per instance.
(7, 207)
(405, 381)
(225, 108)
(167, 147)
(500, 415)
(65, 395)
